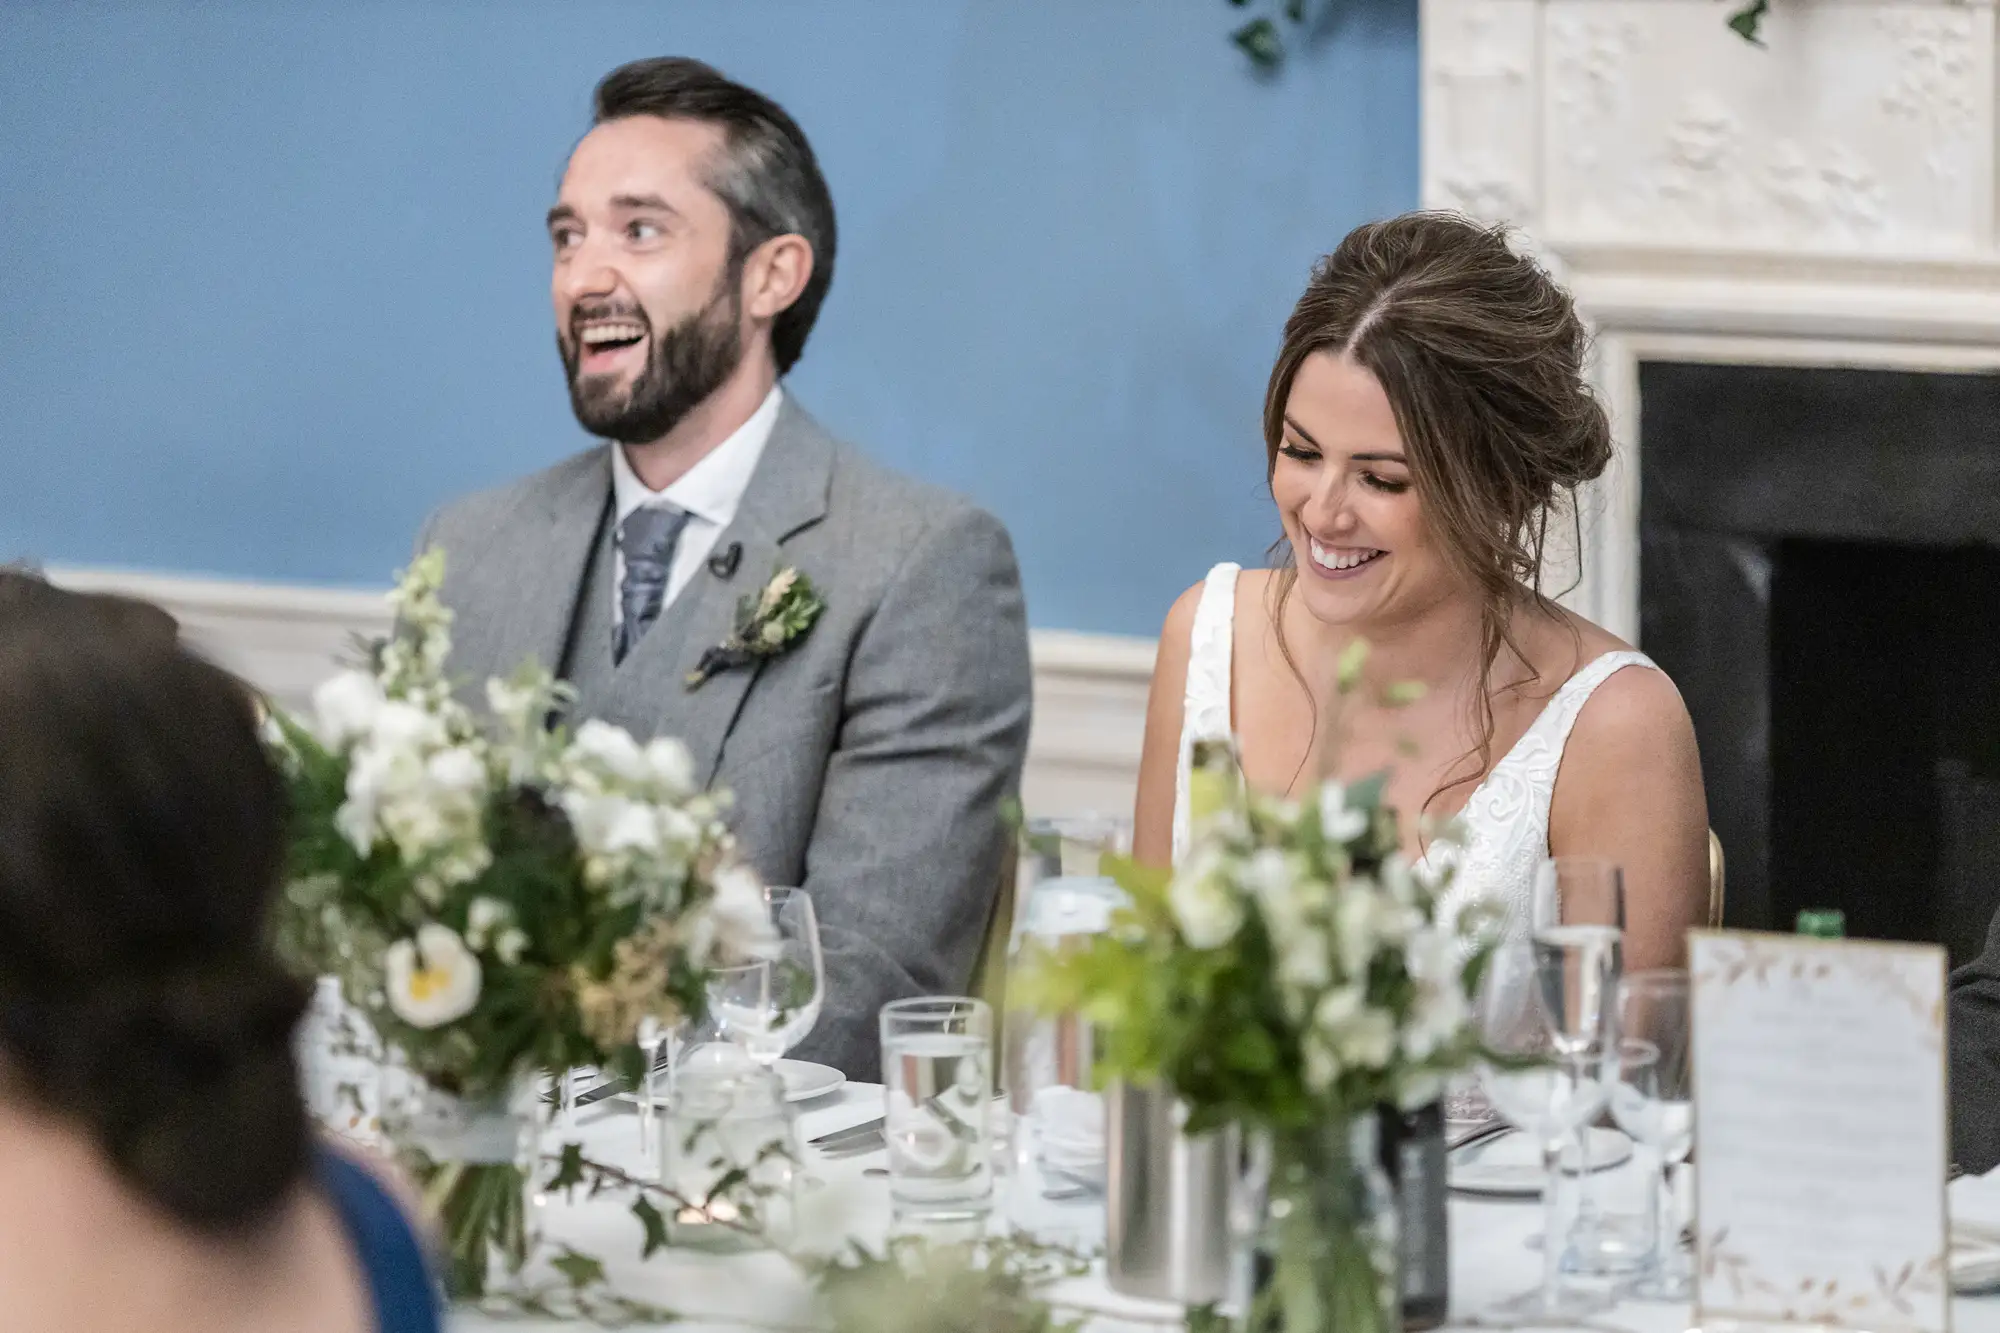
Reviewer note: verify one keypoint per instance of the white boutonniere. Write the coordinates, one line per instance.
(766, 625)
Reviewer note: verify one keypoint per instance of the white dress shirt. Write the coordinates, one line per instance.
(710, 492)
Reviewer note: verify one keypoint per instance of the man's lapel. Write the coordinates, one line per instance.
(537, 598)
(787, 494)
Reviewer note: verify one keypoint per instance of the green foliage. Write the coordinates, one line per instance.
(914, 1287)
(1291, 971)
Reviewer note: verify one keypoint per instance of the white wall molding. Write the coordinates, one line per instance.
(1829, 199)
(1090, 689)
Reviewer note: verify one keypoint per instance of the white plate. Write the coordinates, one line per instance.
(1510, 1167)
(805, 1080)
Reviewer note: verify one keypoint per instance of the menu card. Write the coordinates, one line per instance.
(1820, 1133)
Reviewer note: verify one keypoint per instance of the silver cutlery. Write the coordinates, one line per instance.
(1492, 1129)
(608, 1088)
(867, 1129)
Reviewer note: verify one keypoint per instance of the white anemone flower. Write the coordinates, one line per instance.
(432, 980)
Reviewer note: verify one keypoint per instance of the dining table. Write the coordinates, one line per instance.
(844, 1200)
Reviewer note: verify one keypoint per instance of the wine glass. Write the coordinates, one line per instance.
(1543, 1091)
(1653, 1102)
(767, 1005)
(1579, 931)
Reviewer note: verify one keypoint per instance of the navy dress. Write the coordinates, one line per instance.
(399, 1283)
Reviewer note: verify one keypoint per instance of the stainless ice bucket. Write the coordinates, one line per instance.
(1167, 1199)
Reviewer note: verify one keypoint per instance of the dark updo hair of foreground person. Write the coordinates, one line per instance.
(24, 589)
(141, 842)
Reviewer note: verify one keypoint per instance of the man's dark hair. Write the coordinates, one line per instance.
(767, 176)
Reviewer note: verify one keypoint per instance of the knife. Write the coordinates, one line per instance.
(840, 1137)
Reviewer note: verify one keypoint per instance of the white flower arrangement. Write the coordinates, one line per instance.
(496, 896)
(1294, 969)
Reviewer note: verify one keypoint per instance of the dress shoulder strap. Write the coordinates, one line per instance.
(391, 1258)
(1559, 715)
(1205, 700)
(1211, 646)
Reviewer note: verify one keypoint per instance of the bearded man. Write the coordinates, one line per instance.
(871, 744)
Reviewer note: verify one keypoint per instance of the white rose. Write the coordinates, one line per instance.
(457, 771)
(671, 764)
(740, 913)
(612, 748)
(1336, 820)
(432, 980)
(634, 829)
(404, 726)
(592, 818)
(1208, 914)
(345, 707)
(510, 945)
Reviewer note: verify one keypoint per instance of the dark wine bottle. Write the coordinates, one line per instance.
(1413, 1158)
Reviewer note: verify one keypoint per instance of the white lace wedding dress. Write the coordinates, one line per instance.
(1506, 821)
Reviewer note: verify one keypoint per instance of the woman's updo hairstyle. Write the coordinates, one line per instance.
(141, 844)
(1481, 355)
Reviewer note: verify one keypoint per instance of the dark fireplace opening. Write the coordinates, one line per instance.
(1820, 573)
(1885, 738)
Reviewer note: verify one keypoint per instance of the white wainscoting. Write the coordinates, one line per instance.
(1090, 689)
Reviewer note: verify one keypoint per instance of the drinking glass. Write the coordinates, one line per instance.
(1578, 925)
(729, 1150)
(937, 1091)
(1653, 1101)
(1544, 1091)
(767, 1005)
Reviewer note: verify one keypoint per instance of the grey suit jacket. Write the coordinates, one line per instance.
(871, 762)
(1973, 1034)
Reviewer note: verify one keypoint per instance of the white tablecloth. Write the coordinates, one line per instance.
(1490, 1258)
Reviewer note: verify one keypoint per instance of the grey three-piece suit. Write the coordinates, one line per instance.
(870, 763)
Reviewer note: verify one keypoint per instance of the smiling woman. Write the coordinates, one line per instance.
(1426, 418)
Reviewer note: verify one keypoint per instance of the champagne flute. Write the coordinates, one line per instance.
(767, 1005)
(1543, 1092)
(1653, 1102)
(1578, 927)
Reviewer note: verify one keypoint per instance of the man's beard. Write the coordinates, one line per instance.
(686, 364)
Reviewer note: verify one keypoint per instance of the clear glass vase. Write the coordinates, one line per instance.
(478, 1163)
(1328, 1249)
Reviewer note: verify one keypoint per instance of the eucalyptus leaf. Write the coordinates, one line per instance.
(1748, 19)
(1259, 40)
(579, 1269)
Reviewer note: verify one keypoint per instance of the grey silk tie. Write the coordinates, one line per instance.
(646, 539)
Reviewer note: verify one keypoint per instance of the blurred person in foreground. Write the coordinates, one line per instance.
(156, 1167)
(870, 751)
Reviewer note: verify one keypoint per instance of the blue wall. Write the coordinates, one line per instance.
(273, 279)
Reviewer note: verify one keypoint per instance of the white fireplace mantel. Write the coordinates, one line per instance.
(1828, 199)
